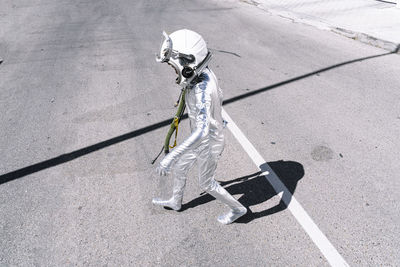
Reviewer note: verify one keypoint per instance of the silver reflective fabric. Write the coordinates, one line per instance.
(204, 146)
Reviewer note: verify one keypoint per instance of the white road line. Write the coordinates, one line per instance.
(319, 239)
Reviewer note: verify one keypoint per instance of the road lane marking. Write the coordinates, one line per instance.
(316, 235)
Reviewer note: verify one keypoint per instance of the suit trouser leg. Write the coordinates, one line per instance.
(180, 171)
(207, 167)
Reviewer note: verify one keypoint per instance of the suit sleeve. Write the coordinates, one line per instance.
(203, 107)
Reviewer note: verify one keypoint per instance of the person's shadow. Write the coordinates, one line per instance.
(256, 189)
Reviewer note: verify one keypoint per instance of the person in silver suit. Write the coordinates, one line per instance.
(186, 51)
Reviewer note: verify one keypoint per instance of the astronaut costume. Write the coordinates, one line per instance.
(186, 51)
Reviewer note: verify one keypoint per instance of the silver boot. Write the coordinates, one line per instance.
(175, 202)
(237, 209)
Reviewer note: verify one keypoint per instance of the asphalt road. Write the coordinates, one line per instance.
(83, 110)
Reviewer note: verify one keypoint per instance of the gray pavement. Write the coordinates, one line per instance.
(83, 107)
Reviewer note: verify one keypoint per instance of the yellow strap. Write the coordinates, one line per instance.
(176, 123)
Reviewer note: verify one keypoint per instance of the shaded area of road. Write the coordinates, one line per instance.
(255, 189)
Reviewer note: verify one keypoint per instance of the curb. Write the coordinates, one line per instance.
(323, 25)
(367, 39)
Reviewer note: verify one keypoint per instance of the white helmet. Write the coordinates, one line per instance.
(186, 51)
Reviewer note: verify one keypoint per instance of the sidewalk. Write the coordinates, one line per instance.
(376, 22)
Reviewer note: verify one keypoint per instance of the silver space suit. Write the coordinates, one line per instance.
(186, 51)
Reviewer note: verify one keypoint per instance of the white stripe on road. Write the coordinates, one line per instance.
(319, 239)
